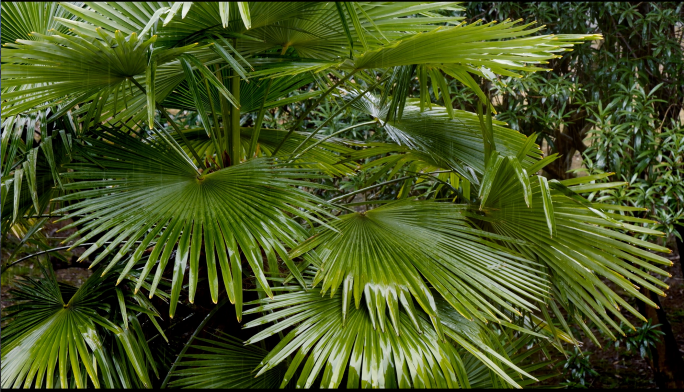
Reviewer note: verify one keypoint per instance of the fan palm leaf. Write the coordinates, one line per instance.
(242, 208)
(20, 19)
(57, 326)
(36, 169)
(453, 143)
(224, 362)
(324, 157)
(374, 255)
(576, 241)
(251, 94)
(368, 357)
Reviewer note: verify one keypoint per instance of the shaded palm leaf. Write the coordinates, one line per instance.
(320, 33)
(385, 255)
(36, 172)
(514, 345)
(225, 363)
(251, 94)
(149, 190)
(399, 160)
(456, 142)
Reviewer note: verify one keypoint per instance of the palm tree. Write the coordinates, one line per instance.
(475, 259)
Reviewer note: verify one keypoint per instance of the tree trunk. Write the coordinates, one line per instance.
(665, 358)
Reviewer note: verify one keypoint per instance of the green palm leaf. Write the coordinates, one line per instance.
(386, 254)
(499, 47)
(452, 143)
(320, 33)
(150, 191)
(577, 243)
(77, 331)
(21, 19)
(369, 357)
(225, 363)
(251, 94)
(324, 157)
(38, 180)
(74, 66)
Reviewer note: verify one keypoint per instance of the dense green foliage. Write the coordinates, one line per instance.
(205, 153)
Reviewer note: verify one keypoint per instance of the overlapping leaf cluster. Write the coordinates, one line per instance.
(482, 264)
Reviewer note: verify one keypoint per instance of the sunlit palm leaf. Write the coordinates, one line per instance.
(74, 66)
(369, 357)
(150, 191)
(387, 254)
(474, 44)
(584, 247)
(20, 19)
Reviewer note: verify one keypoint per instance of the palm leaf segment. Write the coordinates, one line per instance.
(384, 255)
(151, 192)
(50, 340)
(224, 362)
(577, 241)
(20, 19)
(366, 356)
(451, 142)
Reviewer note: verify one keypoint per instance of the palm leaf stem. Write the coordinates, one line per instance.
(259, 120)
(310, 108)
(192, 338)
(332, 116)
(215, 138)
(260, 116)
(368, 188)
(235, 117)
(331, 136)
(163, 112)
(4, 267)
(171, 327)
(334, 199)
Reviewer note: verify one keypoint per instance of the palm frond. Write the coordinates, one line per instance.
(499, 47)
(36, 170)
(324, 157)
(251, 94)
(21, 19)
(368, 357)
(455, 142)
(386, 254)
(82, 333)
(578, 244)
(243, 208)
(224, 362)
